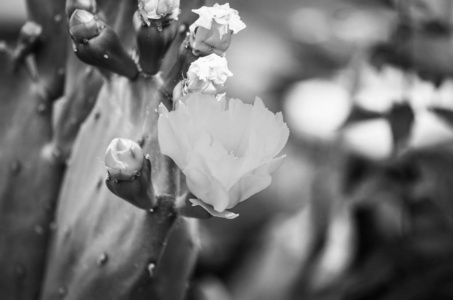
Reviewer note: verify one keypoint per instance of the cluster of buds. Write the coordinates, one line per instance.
(210, 36)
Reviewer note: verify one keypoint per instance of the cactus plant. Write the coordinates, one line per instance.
(95, 244)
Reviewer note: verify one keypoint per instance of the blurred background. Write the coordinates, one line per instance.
(362, 207)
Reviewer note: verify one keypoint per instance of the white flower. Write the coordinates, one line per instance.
(211, 32)
(157, 9)
(123, 159)
(207, 74)
(223, 15)
(226, 150)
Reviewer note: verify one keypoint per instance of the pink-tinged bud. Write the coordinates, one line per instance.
(129, 173)
(123, 159)
(213, 30)
(72, 5)
(206, 41)
(97, 44)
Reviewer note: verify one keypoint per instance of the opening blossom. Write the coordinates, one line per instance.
(157, 9)
(206, 75)
(227, 150)
(123, 159)
(211, 32)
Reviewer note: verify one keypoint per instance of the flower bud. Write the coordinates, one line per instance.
(207, 75)
(212, 32)
(83, 25)
(158, 9)
(72, 5)
(97, 44)
(123, 159)
(138, 190)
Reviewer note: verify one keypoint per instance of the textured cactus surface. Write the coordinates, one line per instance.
(63, 233)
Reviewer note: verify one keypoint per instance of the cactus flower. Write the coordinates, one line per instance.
(157, 9)
(227, 151)
(212, 32)
(123, 159)
(206, 75)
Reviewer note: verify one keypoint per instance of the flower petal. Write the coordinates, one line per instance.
(224, 214)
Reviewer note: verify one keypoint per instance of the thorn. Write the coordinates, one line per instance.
(57, 18)
(62, 291)
(39, 230)
(151, 267)
(103, 259)
(141, 141)
(98, 186)
(53, 226)
(31, 67)
(19, 270)
(42, 108)
(15, 167)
